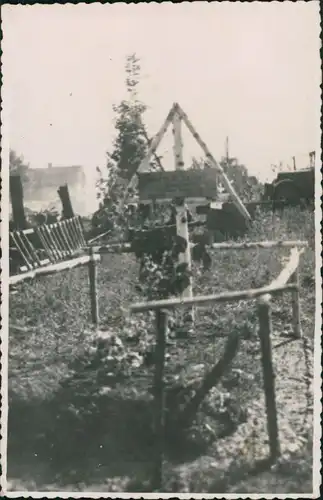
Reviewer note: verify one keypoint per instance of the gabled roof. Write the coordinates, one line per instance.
(38, 178)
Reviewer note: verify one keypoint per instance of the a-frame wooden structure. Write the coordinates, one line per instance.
(176, 116)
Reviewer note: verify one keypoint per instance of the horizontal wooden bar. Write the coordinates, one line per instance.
(112, 248)
(28, 231)
(99, 236)
(52, 268)
(258, 244)
(188, 200)
(209, 299)
(44, 262)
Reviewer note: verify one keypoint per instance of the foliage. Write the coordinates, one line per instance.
(248, 187)
(129, 149)
(96, 387)
(17, 165)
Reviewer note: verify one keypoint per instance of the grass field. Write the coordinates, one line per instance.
(65, 433)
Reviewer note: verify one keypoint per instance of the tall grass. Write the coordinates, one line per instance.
(55, 377)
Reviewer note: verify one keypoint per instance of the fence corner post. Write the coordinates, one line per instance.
(296, 313)
(264, 315)
(159, 399)
(93, 287)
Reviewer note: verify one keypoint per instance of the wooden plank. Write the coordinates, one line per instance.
(30, 246)
(77, 235)
(98, 237)
(287, 272)
(79, 225)
(159, 399)
(20, 247)
(59, 239)
(72, 231)
(258, 244)
(190, 200)
(113, 248)
(42, 238)
(51, 269)
(52, 241)
(196, 185)
(28, 231)
(60, 228)
(63, 230)
(264, 315)
(209, 299)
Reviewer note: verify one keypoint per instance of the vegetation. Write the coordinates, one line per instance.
(129, 148)
(17, 165)
(66, 385)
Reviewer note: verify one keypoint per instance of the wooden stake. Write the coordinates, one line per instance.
(185, 257)
(93, 288)
(17, 202)
(159, 399)
(64, 195)
(264, 315)
(295, 306)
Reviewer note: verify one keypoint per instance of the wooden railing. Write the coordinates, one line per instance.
(46, 248)
(263, 295)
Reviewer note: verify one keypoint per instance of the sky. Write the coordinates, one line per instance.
(249, 71)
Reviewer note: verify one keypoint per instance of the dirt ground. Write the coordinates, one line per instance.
(61, 438)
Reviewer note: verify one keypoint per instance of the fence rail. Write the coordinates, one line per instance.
(278, 285)
(53, 268)
(34, 248)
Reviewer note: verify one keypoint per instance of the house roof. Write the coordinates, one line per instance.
(38, 178)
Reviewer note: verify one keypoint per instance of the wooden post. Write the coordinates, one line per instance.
(93, 288)
(295, 306)
(159, 399)
(181, 218)
(185, 257)
(264, 315)
(17, 202)
(64, 195)
(178, 143)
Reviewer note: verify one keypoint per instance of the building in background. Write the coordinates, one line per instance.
(41, 184)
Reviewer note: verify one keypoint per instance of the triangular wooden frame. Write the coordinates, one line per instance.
(175, 116)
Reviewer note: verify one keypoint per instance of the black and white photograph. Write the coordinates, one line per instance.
(161, 250)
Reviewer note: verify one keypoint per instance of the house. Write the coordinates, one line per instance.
(41, 184)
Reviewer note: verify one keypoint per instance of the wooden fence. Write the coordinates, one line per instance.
(263, 295)
(46, 249)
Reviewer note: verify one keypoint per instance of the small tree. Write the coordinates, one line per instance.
(129, 147)
(17, 165)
